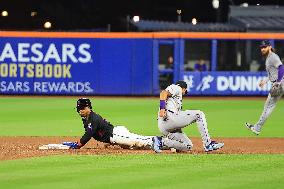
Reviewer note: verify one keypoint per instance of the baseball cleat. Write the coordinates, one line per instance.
(251, 127)
(213, 146)
(157, 144)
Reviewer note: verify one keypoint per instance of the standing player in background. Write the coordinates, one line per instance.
(172, 119)
(101, 130)
(200, 66)
(275, 71)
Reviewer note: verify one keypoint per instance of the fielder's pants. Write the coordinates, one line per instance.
(171, 128)
(269, 106)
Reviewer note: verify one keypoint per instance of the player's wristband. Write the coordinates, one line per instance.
(162, 104)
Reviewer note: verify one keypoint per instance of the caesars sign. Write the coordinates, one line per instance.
(42, 67)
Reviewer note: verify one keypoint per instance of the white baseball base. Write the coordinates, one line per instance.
(173, 150)
(54, 147)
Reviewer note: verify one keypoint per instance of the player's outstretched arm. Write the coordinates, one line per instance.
(73, 145)
(79, 144)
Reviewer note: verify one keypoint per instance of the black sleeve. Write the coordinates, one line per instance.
(89, 131)
(86, 137)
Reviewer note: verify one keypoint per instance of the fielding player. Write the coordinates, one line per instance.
(172, 119)
(275, 71)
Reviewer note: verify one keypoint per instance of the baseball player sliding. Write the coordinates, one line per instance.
(101, 130)
(275, 71)
(171, 120)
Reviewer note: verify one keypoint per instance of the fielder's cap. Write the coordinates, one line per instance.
(182, 84)
(264, 43)
(82, 103)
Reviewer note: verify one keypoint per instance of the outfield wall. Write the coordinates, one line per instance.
(60, 63)
(75, 66)
(225, 83)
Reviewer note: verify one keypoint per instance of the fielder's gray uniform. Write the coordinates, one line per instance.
(272, 63)
(177, 119)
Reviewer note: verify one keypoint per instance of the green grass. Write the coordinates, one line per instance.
(145, 171)
(57, 117)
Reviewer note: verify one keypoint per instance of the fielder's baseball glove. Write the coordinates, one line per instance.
(276, 89)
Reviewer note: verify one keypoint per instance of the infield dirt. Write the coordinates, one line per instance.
(26, 147)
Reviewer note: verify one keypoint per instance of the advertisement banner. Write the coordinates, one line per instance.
(102, 66)
(46, 66)
(75, 66)
(225, 83)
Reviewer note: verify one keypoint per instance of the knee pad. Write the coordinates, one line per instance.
(199, 115)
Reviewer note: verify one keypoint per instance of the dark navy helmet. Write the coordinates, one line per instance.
(82, 103)
(264, 43)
